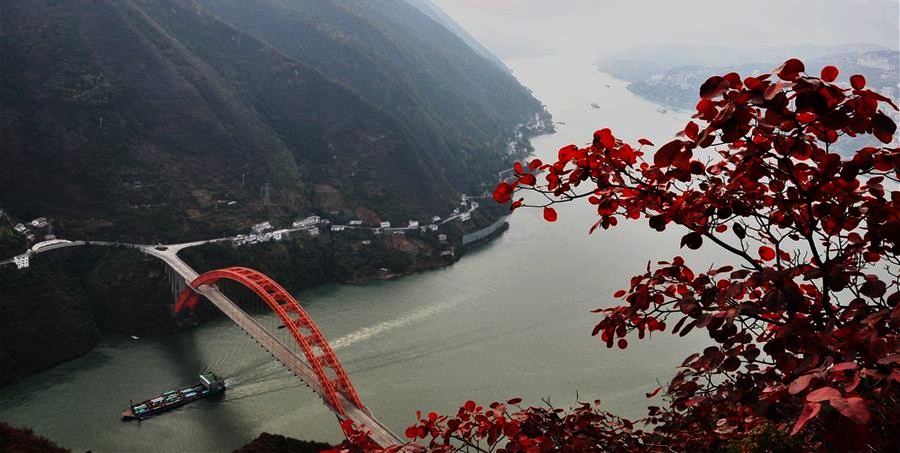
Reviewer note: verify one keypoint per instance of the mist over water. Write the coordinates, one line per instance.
(512, 318)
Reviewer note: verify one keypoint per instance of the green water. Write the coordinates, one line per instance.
(510, 319)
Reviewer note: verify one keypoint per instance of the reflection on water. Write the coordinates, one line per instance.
(511, 319)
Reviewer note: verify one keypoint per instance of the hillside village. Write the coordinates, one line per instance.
(261, 232)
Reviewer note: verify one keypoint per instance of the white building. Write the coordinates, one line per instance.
(260, 227)
(307, 222)
(39, 222)
(356, 222)
(22, 261)
(413, 224)
(19, 228)
(337, 227)
(442, 237)
(313, 232)
(436, 219)
(366, 242)
(433, 227)
(465, 216)
(385, 224)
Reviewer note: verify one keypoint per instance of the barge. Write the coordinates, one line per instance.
(210, 384)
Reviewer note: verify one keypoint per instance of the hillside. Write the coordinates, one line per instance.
(163, 120)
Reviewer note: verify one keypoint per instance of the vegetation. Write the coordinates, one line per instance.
(55, 310)
(303, 262)
(144, 121)
(274, 443)
(804, 324)
(18, 440)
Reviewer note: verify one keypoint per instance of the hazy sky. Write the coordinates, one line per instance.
(514, 28)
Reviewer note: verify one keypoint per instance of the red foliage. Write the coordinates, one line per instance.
(804, 323)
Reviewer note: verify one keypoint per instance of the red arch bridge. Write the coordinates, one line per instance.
(318, 366)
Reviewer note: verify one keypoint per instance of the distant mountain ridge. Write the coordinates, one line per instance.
(675, 80)
(146, 119)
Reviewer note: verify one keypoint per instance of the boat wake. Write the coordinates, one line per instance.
(386, 326)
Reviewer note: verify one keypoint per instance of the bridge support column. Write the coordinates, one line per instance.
(176, 281)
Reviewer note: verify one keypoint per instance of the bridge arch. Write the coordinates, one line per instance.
(304, 331)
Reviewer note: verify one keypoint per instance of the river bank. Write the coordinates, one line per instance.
(75, 290)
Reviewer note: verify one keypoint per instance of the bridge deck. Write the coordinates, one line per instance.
(379, 433)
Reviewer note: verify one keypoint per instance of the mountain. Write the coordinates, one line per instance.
(432, 11)
(157, 120)
(674, 79)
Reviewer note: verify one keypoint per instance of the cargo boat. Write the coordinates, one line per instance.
(209, 385)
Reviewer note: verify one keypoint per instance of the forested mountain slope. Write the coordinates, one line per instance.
(144, 120)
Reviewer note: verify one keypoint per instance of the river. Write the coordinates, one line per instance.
(512, 318)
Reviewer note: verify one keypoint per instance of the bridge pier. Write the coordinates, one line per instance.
(176, 281)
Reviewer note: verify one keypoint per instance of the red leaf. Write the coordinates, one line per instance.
(644, 141)
(766, 253)
(751, 83)
(713, 87)
(829, 73)
(514, 401)
(857, 81)
(806, 117)
(619, 293)
(503, 192)
(883, 127)
(549, 214)
(844, 366)
(721, 228)
(606, 138)
(623, 343)
(772, 90)
(800, 384)
(692, 130)
(853, 408)
(517, 167)
(665, 155)
(528, 179)
(790, 69)
(412, 432)
(692, 240)
(822, 394)
(534, 164)
(809, 411)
